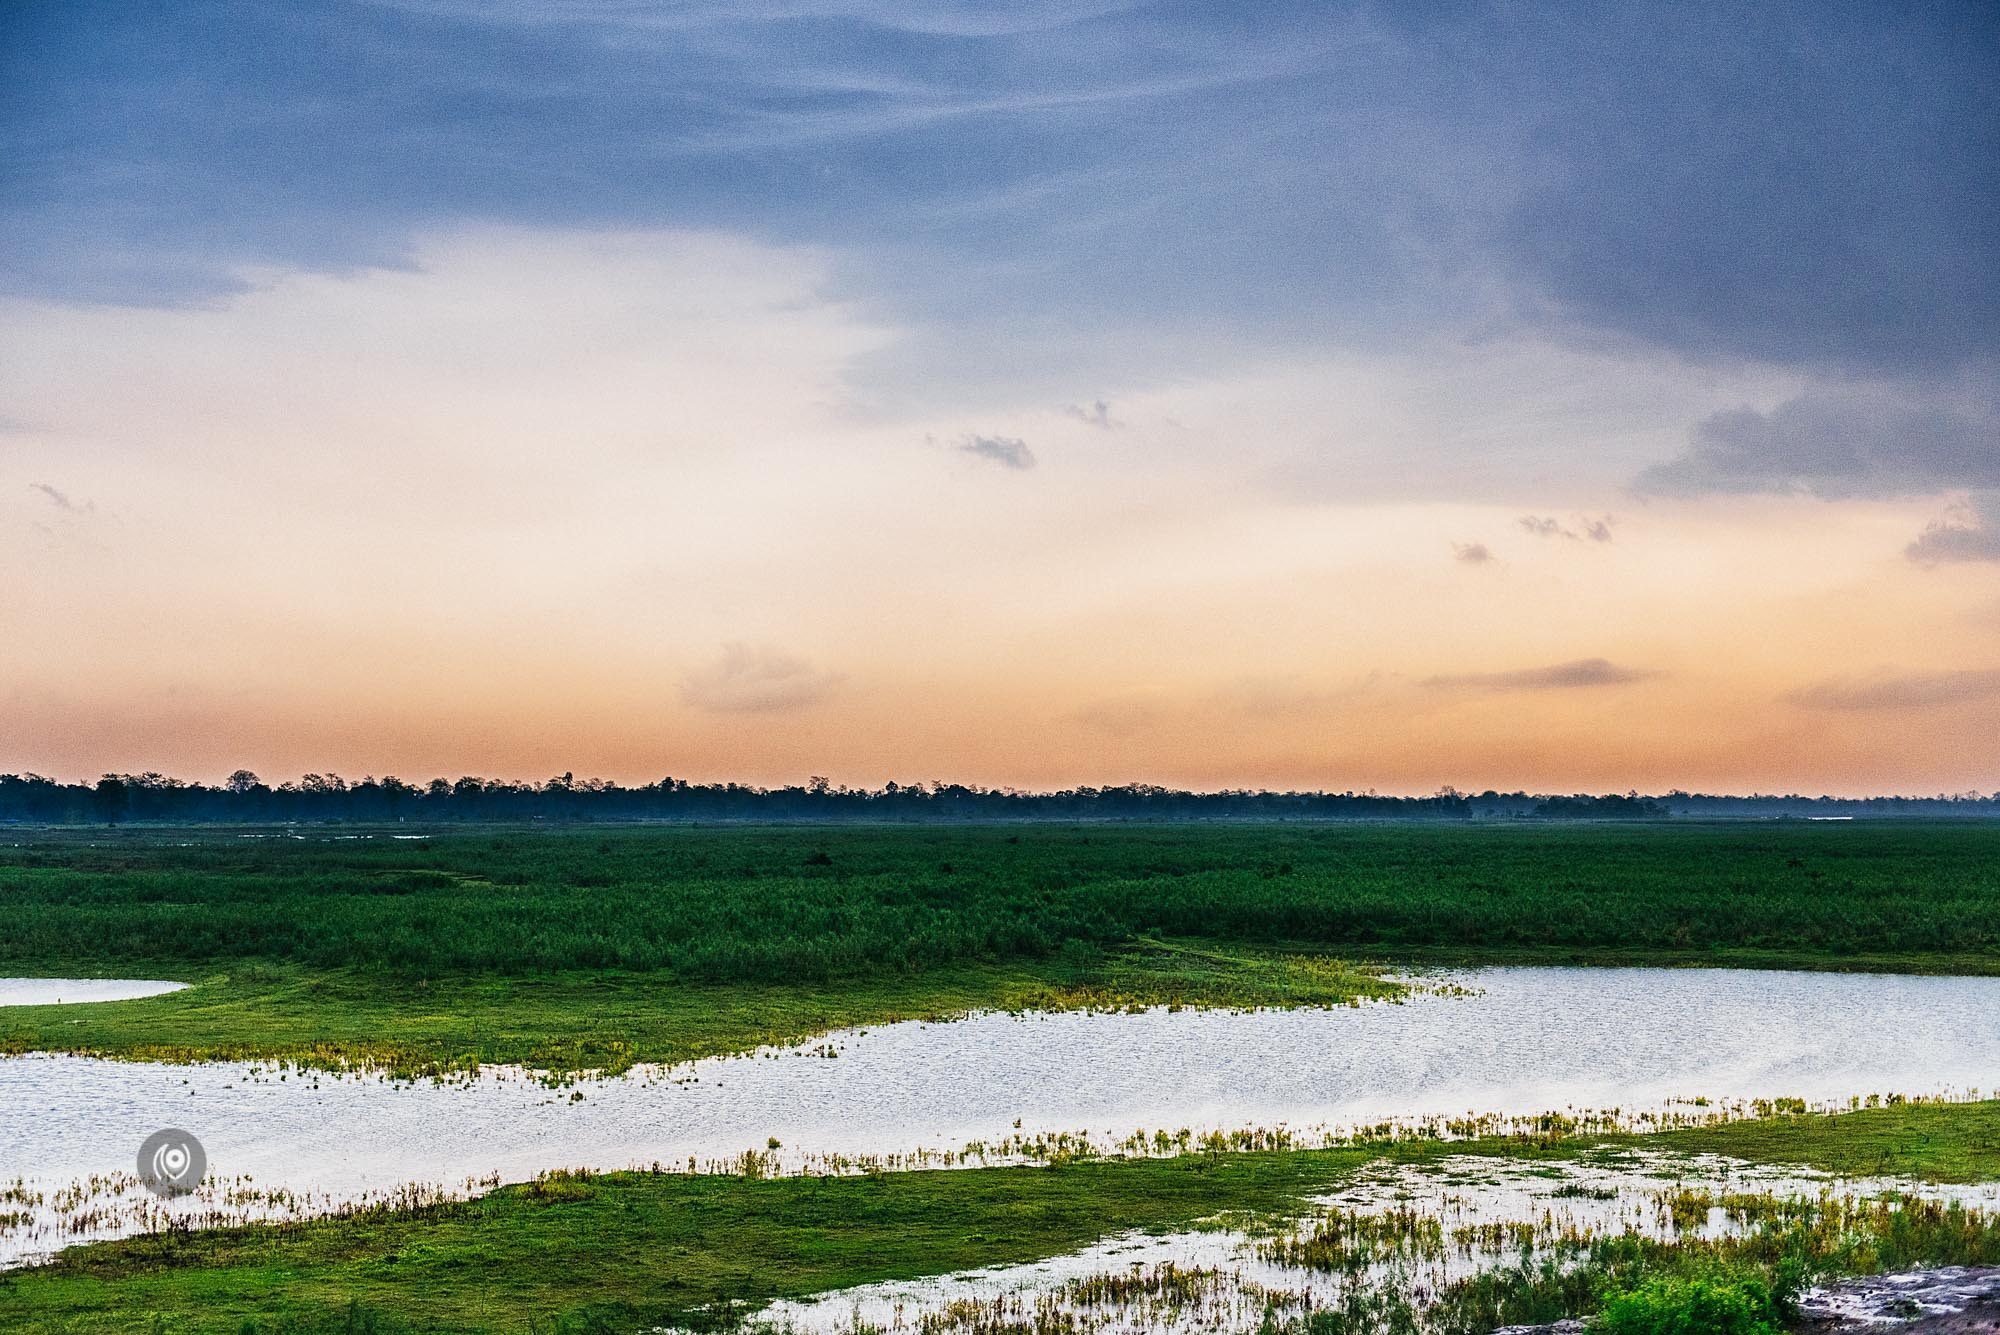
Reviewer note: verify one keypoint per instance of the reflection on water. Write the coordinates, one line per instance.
(1527, 1040)
(62, 991)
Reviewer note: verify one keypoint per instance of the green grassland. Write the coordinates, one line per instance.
(573, 948)
(625, 1251)
(593, 947)
(573, 1021)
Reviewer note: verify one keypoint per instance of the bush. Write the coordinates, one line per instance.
(1700, 1306)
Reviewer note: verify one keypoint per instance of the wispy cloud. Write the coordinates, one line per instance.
(1096, 414)
(756, 679)
(1007, 451)
(1581, 672)
(62, 499)
(1913, 690)
(1548, 526)
(1472, 553)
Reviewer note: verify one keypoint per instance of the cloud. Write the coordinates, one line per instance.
(1974, 535)
(756, 679)
(1007, 451)
(1746, 190)
(980, 178)
(1097, 414)
(1580, 672)
(1940, 544)
(1915, 690)
(1547, 526)
(1471, 553)
(1865, 444)
(1836, 444)
(61, 500)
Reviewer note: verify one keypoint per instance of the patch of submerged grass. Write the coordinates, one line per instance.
(631, 1250)
(1930, 1142)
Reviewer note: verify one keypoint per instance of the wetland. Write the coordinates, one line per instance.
(619, 1079)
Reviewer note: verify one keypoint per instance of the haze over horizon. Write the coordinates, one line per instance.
(1309, 397)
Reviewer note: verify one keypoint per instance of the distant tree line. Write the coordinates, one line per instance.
(244, 798)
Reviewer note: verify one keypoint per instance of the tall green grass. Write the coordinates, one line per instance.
(800, 905)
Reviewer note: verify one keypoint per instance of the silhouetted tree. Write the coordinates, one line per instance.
(328, 797)
(109, 799)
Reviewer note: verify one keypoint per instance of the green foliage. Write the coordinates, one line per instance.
(578, 947)
(821, 904)
(1699, 1305)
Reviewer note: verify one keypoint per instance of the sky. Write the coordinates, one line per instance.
(1316, 395)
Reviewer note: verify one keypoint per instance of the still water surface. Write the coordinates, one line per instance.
(62, 991)
(1527, 1040)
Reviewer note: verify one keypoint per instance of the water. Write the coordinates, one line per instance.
(1485, 1212)
(62, 991)
(1526, 1041)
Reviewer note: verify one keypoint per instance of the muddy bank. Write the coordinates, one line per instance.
(1954, 1299)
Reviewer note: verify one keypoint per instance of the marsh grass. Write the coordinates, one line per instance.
(603, 1024)
(1408, 1269)
(578, 949)
(1405, 1270)
(117, 1205)
(630, 1250)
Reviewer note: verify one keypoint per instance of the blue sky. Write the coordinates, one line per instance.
(1707, 278)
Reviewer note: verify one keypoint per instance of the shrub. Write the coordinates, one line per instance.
(1708, 1305)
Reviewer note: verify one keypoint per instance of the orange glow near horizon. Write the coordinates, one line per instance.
(617, 505)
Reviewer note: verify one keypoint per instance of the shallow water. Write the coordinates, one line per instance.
(62, 991)
(1485, 1212)
(1526, 1041)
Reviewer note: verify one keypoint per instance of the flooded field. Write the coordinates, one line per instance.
(1495, 1042)
(1398, 1240)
